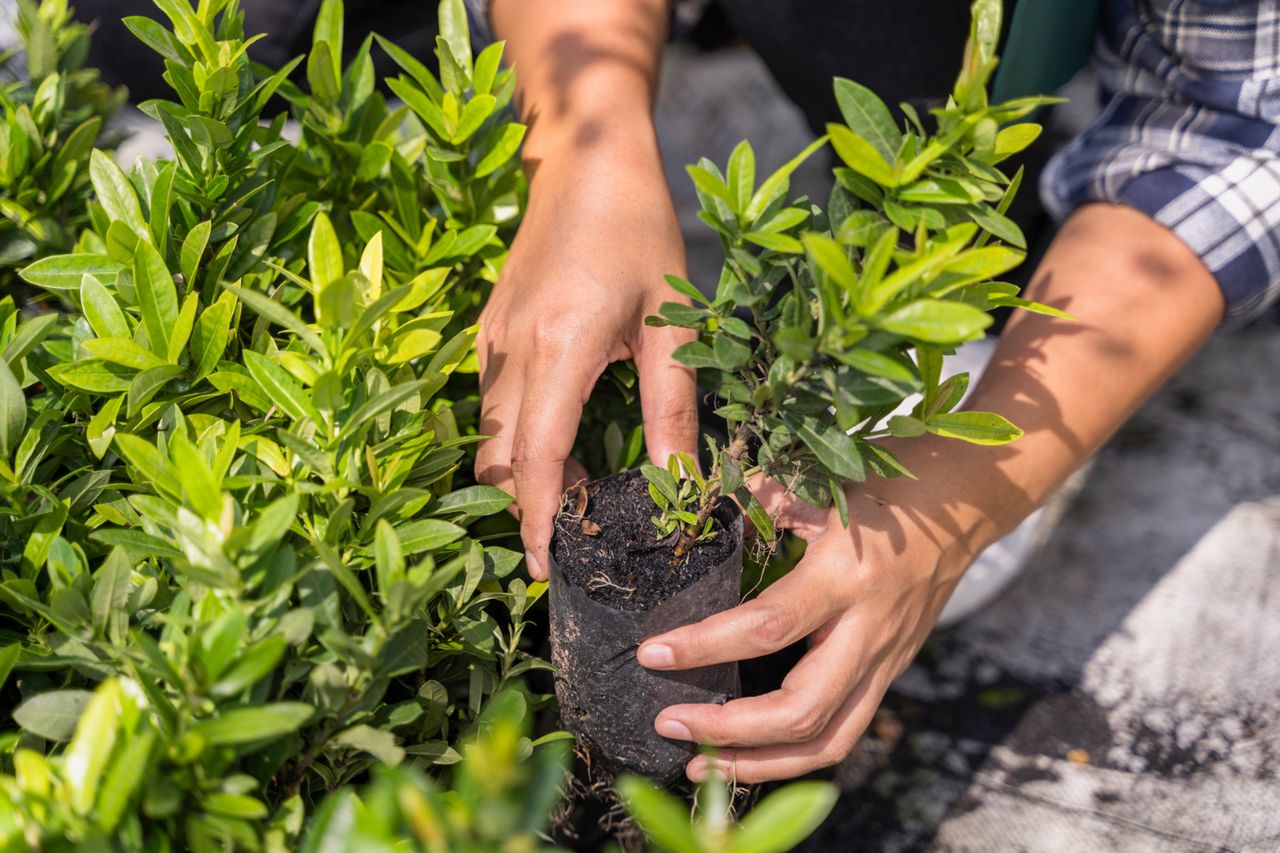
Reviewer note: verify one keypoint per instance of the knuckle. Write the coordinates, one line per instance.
(674, 418)
(771, 626)
(808, 719)
(832, 754)
(554, 336)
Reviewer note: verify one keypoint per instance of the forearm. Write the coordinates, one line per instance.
(588, 73)
(1143, 304)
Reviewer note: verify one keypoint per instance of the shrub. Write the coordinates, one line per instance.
(54, 114)
(229, 475)
(809, 341)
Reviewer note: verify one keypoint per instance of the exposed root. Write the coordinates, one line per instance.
(600, 581)
(574, 509)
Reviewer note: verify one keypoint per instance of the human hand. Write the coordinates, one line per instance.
(584, 272)
(866, 596)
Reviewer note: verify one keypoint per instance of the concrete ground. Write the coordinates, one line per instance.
(1124, 693)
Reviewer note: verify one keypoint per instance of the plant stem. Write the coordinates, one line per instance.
(710, 499)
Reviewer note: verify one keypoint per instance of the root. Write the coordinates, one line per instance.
(600, 581)
(577, 493)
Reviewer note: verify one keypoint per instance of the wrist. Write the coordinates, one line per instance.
(594, 143)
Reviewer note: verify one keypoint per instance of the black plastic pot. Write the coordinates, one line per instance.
(606, 698)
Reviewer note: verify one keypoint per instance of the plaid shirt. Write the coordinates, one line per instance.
(1188, 134)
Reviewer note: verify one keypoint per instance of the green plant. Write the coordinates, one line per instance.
(825, 322)
(436, 175)
(499, 798)
(781, 821)
(54, 113)
(676, 491)
(231, 489)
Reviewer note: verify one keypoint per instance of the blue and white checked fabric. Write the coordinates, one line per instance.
(1188, 134)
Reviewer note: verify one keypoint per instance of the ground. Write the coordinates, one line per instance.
(1124, 693)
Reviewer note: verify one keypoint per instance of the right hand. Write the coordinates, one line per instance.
(585, 270)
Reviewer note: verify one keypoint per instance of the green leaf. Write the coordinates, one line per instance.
(487, 65)
(161, 203)
(182, 327)
(833, 260)
(390, 399)
(13, 412)
(868, 116)
(210, 336)
(861, 228)
(388, 557)
(101, 310)
(785, 818)
(999, 226)
(115, 193)
(984, 428)
(662, 816)
(861, 156)
(730, 355)
(94, 375)
(742, 176)
(503, 148)
(251, 666)
(193, 246)
(329, 32)
(157, 297)
(378, 743)
(151, 464)
(324, 254)
(8, 658)
(696, 354)
(878, 364)
(474, 502)
(757, 514)
(1015, 139)
(686, 289)
(252, 724)
(710, 184)
(662, 480)
(123, 779)
(837, 452)
(938, 322)
(201, 490)
(428, 534)
(67, 272)
(283, 390)
(267, 307)
(457, 33)
(122, 351)
(52, 715)
(111, 588)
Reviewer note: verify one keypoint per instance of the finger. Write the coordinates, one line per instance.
(550, 411)
(500, 389)
(668, 394)
(790, 610)
(786, 761)
(798, 712)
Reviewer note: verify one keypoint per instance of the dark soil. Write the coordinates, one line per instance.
(623, 565)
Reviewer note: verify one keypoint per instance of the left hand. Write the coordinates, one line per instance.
(867, 597)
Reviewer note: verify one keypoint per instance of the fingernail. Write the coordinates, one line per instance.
(673, 729)
(535, 566)
(656, 656)
(698, 769)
